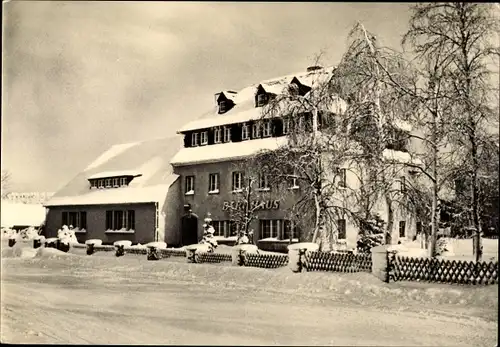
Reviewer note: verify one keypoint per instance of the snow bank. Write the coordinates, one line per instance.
(124, 243)
(21, 214)
(161, 245)
(95, 242)
(43, 252)
(18, 251)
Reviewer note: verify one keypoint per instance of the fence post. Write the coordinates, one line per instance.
(153, 253)
(380, 262)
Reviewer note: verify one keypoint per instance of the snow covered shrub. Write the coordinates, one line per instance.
(208, 235)
(366, 242)
(51, 242)
(67, 234)
(90, 249)
(12, 241)
(444, 247)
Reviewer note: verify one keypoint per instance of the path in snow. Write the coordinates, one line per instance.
(102, 300)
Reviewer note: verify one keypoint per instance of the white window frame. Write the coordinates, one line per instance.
(100, 183)
(264, 185)
(274, 228)
(345, 228)
(116, 182)
(237, 188)
(204, 138)
(93, 184)
(218, 135)
(194, 139)
(221, 226)
(266, 131)
(294, 183)
(227, 134)
(256, 133)
(108, 182)
(213, 183)
(404, 229)
(223, 106)
(123, 181)
(189, 185)
(286, 126)
(245, 132)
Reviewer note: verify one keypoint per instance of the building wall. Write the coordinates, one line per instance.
(202, 202)
(145, 217)
(170, 215)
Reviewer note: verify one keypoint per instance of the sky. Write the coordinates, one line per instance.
(78, 77)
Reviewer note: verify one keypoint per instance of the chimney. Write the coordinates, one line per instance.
(313, 68)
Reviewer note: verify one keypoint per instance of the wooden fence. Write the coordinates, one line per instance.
(265, 260)
(338, 262)
(443, 271)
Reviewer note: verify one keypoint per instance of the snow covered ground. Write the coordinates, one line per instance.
(104, 299)
(462, 249)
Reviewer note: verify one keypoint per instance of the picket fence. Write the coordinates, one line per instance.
(443, 271)
(337, 262)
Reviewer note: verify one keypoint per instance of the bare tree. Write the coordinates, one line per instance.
(464, 33)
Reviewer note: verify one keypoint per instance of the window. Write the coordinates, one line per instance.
(220, 227)
(204, 138)
(237, 184)
(419, 228)
(286, 126)
(123, 181)
(116, 182)
(293, 183)
(223, 106)
(402, 228)
(262, 99)
(122, 220)
(267, 129)
(264, 182)
(76, 219)
(194, 139)
(343, 178)
(245, 132)
(269, 228)
(341, 229)
(100, 183)
(403, 184)
(213, 183)
(93, 184)
(255, 130)
(108, 182)
(227, 134)
(218, 135)
(189, 188)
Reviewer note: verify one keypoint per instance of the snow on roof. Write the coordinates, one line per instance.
(274, 88)
(224, 119)
(401, 124)
(124, 195)
(107, 174)
(21, 214)
(151, 158)
(110, 153)
(400, 157)
(226, 151)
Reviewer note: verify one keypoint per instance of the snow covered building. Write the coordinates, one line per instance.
(127, 193)
(215, 146)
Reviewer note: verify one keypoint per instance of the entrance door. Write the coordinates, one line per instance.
(189, 226)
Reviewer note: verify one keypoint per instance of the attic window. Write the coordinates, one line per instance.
(223, 106)
(262, 99)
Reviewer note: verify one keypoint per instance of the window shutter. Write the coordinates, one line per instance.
(65, 218)
(187, 140)
(211, 138)
(131, 219)
(236, 132)
(109, 220)
(276, 127)
(83, 220)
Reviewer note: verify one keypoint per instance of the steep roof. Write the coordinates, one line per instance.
(150, 159)
(244, 109)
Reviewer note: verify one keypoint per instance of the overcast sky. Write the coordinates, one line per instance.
(79, 77)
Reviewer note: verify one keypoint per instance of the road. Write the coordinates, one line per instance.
(42, 303)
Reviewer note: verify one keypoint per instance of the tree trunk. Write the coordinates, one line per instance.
(476, 213)
(390, 220)
(434, 207)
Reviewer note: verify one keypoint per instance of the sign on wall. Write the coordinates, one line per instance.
(259, 205)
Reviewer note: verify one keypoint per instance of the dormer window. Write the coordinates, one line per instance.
(112, 179)
(218, 135)
(204, 138)
(100, 183)
(224, 101)
(123, 181)
(108, 182)
(256, 130)
(194, 139)
(116, 182)
(93, 184)
(267, 129)
(245, 132)
(223, 106)
(262, 99)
